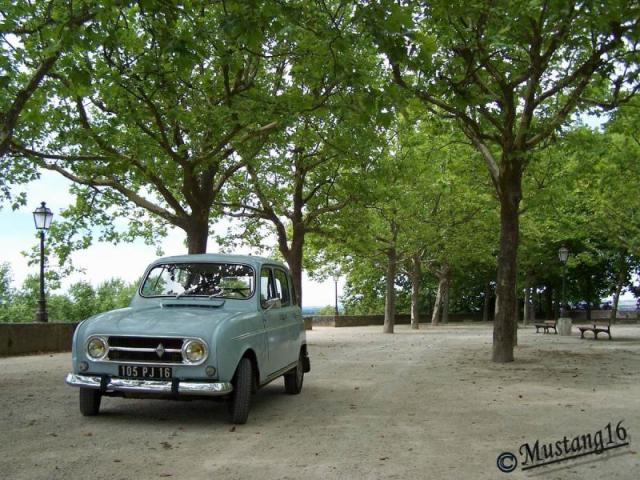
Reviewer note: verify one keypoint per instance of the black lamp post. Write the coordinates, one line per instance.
(42, 218)
(335, 283)
(563, 255)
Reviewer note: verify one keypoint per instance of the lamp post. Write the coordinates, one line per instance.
(563, 255)
(564, 322)
(335, 284)
(42, 218)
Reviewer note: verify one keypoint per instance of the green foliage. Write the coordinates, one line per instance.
(161, 104)
(5, 283)
(326, 310)
(421, 197)
(80, 302)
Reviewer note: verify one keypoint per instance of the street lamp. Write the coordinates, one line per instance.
(563, 255)
(42, 218)
(335, 283)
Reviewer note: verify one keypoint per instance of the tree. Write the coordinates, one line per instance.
(415, 209)
(175, 99)
(306, 175)
(33, 37)
(6, 292)
(511, 74)
(327, 310)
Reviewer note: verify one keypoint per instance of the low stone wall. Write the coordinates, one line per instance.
(364, 320)
(308, 323)
(621, 316)
(24, 338)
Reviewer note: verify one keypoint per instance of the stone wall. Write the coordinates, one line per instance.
(24, 338)
(622, 317)
(364, 320)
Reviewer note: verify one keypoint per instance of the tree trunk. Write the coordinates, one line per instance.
(430, 302)
(294, 256)
(529, 298)
(445, 300)
(622, 278)
(527, 307)
(516, 320)
(294, 261)
(437, 306)
(548, 303)
(440, 313)
(390, 295)
(533, 306)
(510, 193)
(197, 235)
(589, 297)
(487, 299)
(416, 277)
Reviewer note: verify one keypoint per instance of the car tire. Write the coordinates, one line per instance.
(241, 397)
(293, 379)
(90, 401)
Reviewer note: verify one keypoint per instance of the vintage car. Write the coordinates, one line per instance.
(212, 326)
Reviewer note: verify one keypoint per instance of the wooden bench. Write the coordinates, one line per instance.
(598, 326)
(546, 325)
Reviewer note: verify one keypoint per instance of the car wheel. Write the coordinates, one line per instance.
(90, 401)
(293, 379)
(241, 397)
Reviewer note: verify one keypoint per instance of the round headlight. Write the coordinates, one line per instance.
(97, 348)
(194, 351)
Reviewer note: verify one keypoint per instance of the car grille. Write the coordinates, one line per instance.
(145, 349)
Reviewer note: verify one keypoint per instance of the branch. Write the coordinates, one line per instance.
(128, 193)
(19, 148)
(10, 117)
(489, 159)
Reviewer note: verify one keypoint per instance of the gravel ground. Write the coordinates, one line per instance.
(413, 405)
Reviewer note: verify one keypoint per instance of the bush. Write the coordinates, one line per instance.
(80, 302)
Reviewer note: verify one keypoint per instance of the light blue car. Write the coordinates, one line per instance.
(199, 326)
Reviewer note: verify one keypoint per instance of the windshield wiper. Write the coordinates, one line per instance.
(185, 292)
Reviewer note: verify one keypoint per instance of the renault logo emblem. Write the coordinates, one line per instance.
(160, 350)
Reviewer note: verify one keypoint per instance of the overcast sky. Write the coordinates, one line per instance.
(103, 261)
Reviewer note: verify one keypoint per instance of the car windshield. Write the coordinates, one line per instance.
(213, 280)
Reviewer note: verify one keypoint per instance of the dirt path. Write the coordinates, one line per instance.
(425, 404)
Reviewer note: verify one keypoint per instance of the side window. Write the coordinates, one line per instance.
(266, 286)
(282, 287)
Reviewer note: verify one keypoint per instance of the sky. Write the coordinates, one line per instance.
(103, 261)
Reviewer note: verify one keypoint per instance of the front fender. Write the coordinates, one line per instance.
(234, 338)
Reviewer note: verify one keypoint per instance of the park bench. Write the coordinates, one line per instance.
(597, 326)
(546, 325)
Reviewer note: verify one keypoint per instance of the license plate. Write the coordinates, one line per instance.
(139, 371)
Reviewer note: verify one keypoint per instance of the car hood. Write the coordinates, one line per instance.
(159, 320)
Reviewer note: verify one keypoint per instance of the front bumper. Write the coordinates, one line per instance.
(113, 384)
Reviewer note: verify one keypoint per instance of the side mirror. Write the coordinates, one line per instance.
(271, 303)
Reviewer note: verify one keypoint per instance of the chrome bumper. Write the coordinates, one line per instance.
(149, 386)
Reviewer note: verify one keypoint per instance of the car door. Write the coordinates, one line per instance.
(275, 322)
(291, 312)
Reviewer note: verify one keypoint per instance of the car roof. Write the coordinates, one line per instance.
(219, 257)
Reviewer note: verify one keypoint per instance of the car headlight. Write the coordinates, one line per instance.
(194, 351)
(97, 348)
